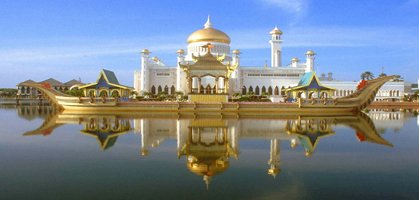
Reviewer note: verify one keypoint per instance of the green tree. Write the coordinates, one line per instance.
(75, 92)
(367, 75)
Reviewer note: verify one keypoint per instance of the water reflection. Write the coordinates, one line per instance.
(208, 142)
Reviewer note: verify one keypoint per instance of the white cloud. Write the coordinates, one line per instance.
(293, 6)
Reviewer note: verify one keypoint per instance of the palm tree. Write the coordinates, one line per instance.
(367, 75)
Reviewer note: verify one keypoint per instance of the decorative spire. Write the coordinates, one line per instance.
(208, 24)
(207, 180)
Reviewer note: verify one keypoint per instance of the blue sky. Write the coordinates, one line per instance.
(75, 39)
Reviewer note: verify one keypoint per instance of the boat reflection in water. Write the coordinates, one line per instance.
(209, 141)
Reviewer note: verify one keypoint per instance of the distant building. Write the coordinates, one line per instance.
(25, 91)
(415, 87)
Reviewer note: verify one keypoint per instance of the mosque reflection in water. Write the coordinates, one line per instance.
(208, 143)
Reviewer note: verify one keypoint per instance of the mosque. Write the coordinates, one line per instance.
(209, 67)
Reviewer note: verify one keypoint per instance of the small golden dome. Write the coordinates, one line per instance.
(294, 60)
(208, 34)
(180, 51)
(310, 52)
(208, 168)
(145, 51)
(236, 51)
(274, 171)
(155, 59)
(276, 31)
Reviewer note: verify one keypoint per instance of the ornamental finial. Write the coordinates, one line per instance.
(208, 24)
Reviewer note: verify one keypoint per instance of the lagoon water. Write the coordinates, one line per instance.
(47, 155)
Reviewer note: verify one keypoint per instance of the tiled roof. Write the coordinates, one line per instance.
(73, 82)
(27, 81)
(53, 82)
(306, 79)
(110, 76)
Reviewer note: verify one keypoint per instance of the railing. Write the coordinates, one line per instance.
(317, 102)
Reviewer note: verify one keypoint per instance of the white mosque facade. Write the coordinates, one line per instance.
(154, 76)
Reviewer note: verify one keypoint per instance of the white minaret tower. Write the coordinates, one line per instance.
(144, 70)
(235, 75)
(179, 78)
(276, 47)
(275, 158)
(310, 60)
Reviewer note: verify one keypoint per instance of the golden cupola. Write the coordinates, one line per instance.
(209, 34)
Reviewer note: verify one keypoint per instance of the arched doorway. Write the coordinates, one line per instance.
(166, 89)
(208, 89)
(115, 94)
(257, 90)
(270, 90)
(244, 90)
(103, 93)
(91, 93)
(324, 95)
(172, 89)
(153, 89)
(276, 92)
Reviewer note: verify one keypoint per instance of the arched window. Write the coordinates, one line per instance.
(244, 90)
(283, 91)
(398, 93)
(263, 90)
(257, 90)
(159, 89)
(153, 90)
(166, 89)
(172, 89)
(276, 92)
(270, 90)
(250, 89)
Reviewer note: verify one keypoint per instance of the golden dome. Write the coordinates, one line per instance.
(274, 171)
(294, 60)
(209, 34)
(310, 52)
(209, 168)
(276, 31)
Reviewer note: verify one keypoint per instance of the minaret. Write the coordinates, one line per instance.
(275, 158)
(180, 58)
(310, 61)
(276, 47)
(236, 57)
(235, 75)
(144, 70)
(144, 137)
